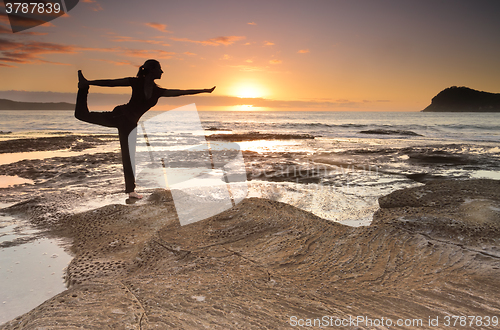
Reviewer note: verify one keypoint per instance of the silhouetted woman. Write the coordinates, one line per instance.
(145, 95)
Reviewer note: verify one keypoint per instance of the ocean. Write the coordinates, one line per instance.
(354, 158)
(460, 127)
(393, 149)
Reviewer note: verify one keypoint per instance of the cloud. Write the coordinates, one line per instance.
(226, 57)
(118, 63)
(96, 6)
(130, 39)
(249, 68)
(268, 43)
(132, 52)
(4, 19)
(189, 54)
(303, 51)
(226, 40)
(21, 21)
(255, 68)
(159, 27)
(252, 23)
(275, 61)
(146, 53)
(30, 51)
(5, 30)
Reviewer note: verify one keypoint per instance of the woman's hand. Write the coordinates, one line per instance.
(210, 90)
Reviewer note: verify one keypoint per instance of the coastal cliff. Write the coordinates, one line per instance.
(464, 99)
(15, 105)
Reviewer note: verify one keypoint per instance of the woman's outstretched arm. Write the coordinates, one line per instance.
(180, 92)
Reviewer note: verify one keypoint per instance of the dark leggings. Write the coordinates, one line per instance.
(110, 119)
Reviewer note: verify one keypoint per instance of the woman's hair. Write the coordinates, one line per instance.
(148, 65)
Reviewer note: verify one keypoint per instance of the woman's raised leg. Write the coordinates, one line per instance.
(82, 111)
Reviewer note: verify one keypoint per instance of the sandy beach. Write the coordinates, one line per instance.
(431, 252)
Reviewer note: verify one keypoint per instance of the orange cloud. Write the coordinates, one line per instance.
(30, 52)
(4, 30)
(159, 27)
(275, 61)
(249, 68)
(268, 43)
(96, 7)
(21, 21)
(144, 53)
(119, 63)
(132, 52)
(129, 39)
(303, 51)
(252, 23)
(226, 40)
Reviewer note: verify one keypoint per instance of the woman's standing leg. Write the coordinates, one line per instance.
(127, 150)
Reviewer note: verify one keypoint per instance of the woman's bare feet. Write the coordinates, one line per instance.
(133, 194)
(82, 82)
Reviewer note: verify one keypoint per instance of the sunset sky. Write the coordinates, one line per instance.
(359, 55)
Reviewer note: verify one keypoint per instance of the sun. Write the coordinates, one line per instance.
(248, 91)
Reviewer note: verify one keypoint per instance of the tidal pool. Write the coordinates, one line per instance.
(32, 267)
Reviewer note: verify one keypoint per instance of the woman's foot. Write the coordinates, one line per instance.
(133, 194)
(82, 82)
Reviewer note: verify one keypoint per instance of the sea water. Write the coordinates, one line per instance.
(359, 156)
(477, 127)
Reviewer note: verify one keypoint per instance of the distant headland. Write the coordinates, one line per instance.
(464, 99)
(15, 105)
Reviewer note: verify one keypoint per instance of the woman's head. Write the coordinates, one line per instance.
(150, 67)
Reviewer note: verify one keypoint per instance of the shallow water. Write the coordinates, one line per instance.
(8, 181)
(31, 267)
(9, 158)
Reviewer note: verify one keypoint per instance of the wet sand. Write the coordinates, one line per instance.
(71, 142)
(431, 251)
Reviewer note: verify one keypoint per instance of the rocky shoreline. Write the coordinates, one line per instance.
(431, 251)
